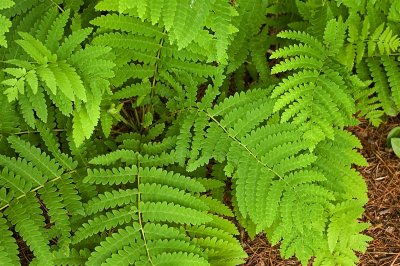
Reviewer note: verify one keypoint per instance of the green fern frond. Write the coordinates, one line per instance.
(162, 202)
(111, 176)
(4, 28)
(175, 16)
(19, 215)
(180, 257)
(43, 162)
(31, 174)
(110, 200)
(9, 248)
(75, 86)
(381, 85)
(251, 17)
(10, 120)
(117, 241)
(278, 168)
(334, 36)
(321, 91)
(75, 258)
(170, 212)
(384, 40)
(104, 222)
(57, 212)
(6, 4)
(297, 62)
(35, 180)
(392, 69)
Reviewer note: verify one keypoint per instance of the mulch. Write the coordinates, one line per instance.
(382, 211)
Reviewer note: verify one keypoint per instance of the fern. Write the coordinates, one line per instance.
(185, 21)
(317, 93)
(153, 218)
(4, 22)
(198, 102)
(278, 169)
(370, 41)
(28, 183)
(59, 71)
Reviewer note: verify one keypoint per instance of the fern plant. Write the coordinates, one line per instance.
(370, 43)
(4, 22)
(276, 169)
(123, 122)
(58, 67)
(146, 215)
(28, 183)
(157, 218)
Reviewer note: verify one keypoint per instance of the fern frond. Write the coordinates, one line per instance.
(277, 167)
(19, 215)
(180, 257)
(381, 85)
(159, 193)
(43, 162)
(4, 28)
(31, 174)
(248, 22)
(52, 144)
(69, 193)
(6, 4)
(385, 40)
(160, 246)
(156, 175)
(10, 120)
(111, 176)
(110, 200)
(8, 246)
(159, 204)
(35, 49)
(392, 69)
(72, 42)
(58, 215)
(75, 258)
(170, 212)
(310, 93)
(56, 31)
(127, 24)
(334, 36)
(297, 62)
(107, 221)
(175, 16)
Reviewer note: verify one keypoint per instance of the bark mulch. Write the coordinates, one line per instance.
(382, 211)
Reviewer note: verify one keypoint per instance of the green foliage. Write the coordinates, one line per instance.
(5, 24)
(28, 182)
(369, 45)
(56, 66)
(285, 183)
(126, 125)
(317, 94)
(393, 140)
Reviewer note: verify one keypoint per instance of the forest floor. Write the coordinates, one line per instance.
(382, 211)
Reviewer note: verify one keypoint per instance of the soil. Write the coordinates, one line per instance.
(382, 211)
